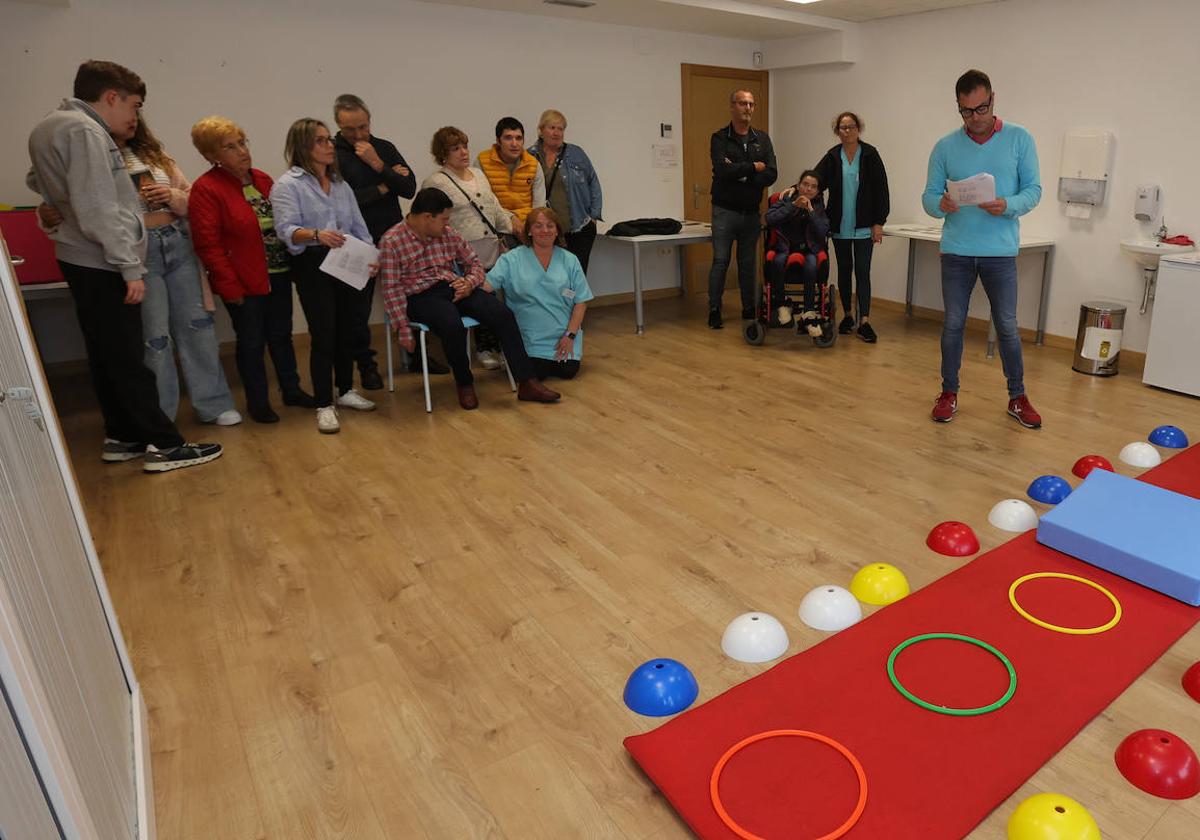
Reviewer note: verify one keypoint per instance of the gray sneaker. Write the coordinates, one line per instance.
(115, 451)
(178, 457)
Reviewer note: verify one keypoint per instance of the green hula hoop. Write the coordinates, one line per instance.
(943, 710)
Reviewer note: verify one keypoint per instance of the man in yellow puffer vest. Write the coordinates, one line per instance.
(514, 174)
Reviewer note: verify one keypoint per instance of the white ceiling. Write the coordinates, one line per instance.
(756, 20)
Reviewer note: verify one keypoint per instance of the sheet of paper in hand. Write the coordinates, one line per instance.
(974, 190)
(352, 262)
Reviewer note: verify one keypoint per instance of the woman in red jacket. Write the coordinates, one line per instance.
(233, 232)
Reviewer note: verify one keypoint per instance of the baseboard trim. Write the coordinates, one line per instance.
(619, 298)
(1132, 358)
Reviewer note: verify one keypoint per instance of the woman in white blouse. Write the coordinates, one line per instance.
(476, 214)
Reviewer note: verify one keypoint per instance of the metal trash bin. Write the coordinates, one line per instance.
(1098, 342)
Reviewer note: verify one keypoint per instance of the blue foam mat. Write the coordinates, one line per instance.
(1133, 529)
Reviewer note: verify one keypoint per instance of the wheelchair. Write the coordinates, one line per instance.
(755, 331)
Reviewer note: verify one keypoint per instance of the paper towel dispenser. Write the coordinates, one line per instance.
(1087, 156)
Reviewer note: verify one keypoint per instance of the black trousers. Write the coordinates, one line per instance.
(364, 356)
(546, 368)
(331, 309)
(580, 243)
(854, 256)
(112, 335)
(264, 322)
(435, 307)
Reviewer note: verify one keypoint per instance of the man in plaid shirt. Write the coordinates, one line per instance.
(432, 276)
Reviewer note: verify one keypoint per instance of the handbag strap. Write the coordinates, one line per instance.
(554, 171)
(471, 201)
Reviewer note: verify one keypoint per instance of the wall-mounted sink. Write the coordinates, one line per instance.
(1148, 251)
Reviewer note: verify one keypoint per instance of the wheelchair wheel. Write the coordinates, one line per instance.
(829, 333)
(755, 333)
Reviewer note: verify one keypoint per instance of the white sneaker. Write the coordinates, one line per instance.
(785, 315)
(355, 400)
(327, 421)
(488, 359)
(228, 418)
(812, 325)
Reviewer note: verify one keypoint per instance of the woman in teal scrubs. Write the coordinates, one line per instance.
(544, 286)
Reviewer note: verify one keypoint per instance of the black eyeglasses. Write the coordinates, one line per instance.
(981, 110)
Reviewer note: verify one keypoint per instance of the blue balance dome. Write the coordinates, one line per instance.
(660, 687)
(1172, 437)
(1049, 489)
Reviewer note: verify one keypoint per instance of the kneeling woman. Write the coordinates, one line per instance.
(544, 286)
(798, 220)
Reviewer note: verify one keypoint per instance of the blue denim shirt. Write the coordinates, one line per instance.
(579, 177)
(299, 202)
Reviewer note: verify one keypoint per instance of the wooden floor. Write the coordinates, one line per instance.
(421, 627)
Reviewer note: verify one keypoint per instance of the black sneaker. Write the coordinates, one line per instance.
(299, 399)
(371, 380)
(116, 451)
(866, 333)
(846, 326)
(262, 413)
(714, 319)
(178, 457)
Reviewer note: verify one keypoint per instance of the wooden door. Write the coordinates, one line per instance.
(706, 93)
(70, 684)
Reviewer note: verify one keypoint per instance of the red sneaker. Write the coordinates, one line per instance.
(1024, 412)
(945, 406)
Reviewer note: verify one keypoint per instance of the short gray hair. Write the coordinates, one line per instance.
(349, 102)
(733, 93)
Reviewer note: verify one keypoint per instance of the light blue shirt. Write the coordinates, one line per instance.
(542, 299)
(299, 202)
(1010, 155)
(846, 229)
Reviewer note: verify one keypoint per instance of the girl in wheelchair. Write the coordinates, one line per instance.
(797, 254)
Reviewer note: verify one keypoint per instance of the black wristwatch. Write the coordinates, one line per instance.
(570, 335)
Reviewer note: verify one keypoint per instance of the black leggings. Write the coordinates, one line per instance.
(854, 257)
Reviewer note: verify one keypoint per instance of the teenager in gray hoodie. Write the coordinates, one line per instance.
(100, 246)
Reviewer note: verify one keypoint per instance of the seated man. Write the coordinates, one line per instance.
(800, 226)
(431, 275)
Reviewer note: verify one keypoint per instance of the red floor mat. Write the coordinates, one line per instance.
(929, 775)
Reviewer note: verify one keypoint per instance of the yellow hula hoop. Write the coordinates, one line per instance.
(1075, 631)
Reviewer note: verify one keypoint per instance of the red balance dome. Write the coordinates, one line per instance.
(1159, 763)
(954, 539)
(1091, 462)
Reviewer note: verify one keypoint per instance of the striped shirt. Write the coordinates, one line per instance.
(409, 265)
(143, 174)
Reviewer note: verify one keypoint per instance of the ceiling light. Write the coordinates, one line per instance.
(583, 4)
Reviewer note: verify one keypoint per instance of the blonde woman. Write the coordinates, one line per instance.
(233, 227)
(572, 187)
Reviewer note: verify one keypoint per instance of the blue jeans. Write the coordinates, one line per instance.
(174, 318)
(999, 277)
(729, 226)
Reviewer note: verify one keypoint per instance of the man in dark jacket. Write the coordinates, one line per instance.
(380, 177)
(743, 165)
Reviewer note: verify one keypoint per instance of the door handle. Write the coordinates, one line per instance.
(695, 196)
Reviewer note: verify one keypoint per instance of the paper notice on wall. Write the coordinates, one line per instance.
(1101, 345)
(665, 156)
(351, 263)
(974, 190)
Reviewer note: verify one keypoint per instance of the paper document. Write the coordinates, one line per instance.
(974, 190)
(352, 262)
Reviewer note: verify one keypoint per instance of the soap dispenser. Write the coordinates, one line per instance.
(1148, 204)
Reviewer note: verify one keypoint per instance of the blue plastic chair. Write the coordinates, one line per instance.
(422, 330)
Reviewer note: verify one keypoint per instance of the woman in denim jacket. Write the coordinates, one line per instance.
(572, 188)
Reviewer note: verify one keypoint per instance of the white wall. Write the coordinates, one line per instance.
(419, 66)
(1131, 68)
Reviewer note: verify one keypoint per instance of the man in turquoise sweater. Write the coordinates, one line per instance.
(981, 241)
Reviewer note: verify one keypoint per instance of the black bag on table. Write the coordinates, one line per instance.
(646, 227)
